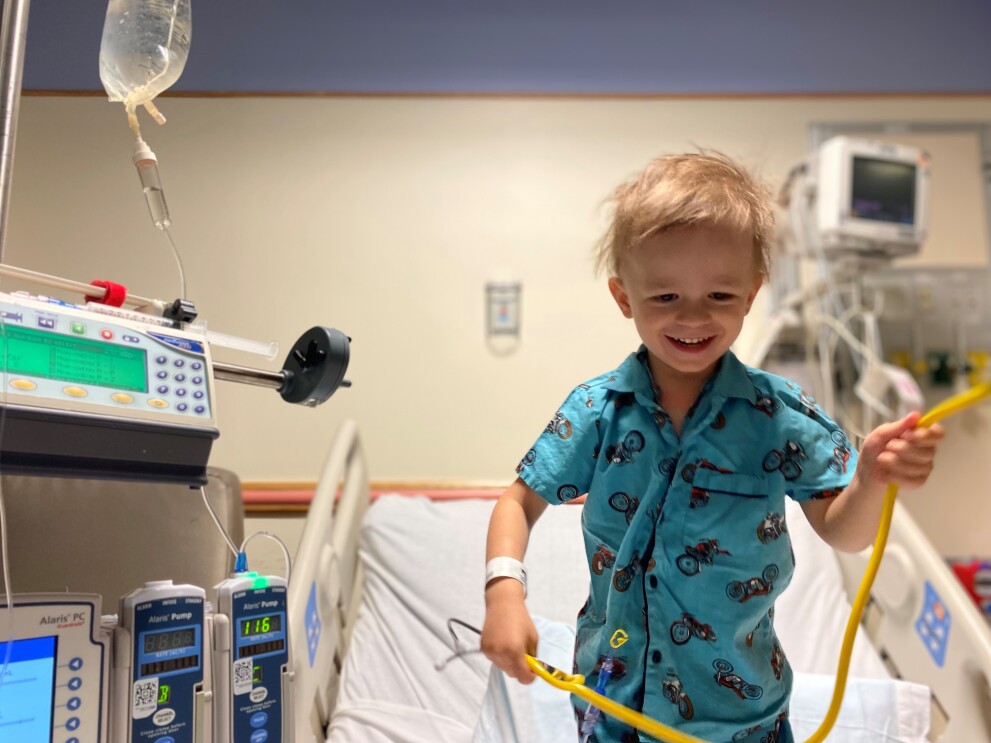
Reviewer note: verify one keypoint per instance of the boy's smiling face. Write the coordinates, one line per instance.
(687, 289)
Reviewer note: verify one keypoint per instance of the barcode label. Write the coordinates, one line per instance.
(145, 700)
(242, 675)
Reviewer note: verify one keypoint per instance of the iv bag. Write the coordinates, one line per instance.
(144, 48)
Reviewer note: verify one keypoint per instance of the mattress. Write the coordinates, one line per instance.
(424, 565)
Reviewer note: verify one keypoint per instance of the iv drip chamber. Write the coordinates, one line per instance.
(151, 183)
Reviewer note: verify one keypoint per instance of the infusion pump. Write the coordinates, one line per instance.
(109, 393)
(104, 392)
(55, 673)
(163, 671)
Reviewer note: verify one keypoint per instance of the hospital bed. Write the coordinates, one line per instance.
(383, 576)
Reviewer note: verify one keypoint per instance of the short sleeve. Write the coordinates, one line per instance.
(817, 460)
(560, 464)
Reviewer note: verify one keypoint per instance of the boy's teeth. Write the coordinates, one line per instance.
(690, 341)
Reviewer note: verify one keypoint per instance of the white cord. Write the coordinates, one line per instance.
(216, 520)
(4, 552)
(270, 535)
(178, 260)
(852, 341)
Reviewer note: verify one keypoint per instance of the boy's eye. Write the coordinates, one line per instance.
(721, 296)
(665, 297)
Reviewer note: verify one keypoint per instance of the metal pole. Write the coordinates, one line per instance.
(12, 42)
(247, 375)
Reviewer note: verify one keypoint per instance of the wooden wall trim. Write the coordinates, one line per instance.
(293, 498)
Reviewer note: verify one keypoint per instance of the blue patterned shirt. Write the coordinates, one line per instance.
(686, 539)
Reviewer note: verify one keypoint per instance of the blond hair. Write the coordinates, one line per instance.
(703, 188)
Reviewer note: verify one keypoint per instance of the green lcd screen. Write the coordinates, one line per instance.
(36, 353)
(261, 625)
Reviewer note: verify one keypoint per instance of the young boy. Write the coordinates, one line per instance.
(687, 455)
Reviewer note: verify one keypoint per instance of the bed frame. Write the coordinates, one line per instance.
(327, 581)
(326, 585)
(911, 581)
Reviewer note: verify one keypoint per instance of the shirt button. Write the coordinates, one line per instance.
(653, 581)
(656, 657)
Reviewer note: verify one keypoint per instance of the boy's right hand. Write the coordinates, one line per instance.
(508, 634)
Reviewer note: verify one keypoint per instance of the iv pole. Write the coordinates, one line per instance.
(12, 42)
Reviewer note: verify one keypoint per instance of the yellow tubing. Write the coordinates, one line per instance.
(576, 683)
(948, 407)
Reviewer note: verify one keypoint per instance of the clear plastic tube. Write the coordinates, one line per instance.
(268, 349)
(151, 183)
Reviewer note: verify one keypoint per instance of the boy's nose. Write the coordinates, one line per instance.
(692, 314)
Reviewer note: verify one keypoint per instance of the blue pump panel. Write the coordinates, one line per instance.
(167, 669)
(260, 652)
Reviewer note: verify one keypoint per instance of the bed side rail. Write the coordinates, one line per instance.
(928, 630)
(326, 583)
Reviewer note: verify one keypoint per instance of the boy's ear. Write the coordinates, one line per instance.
(620, 295)
(753, 293)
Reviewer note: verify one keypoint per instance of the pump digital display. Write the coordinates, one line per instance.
(159, 667)
(158, 642)
(261, 648)
(28, 696)
(82, 360)
(883, 190)
(261, 625)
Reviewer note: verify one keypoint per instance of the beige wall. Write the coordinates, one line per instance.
(384, 217)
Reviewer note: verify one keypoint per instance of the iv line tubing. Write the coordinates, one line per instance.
(179, 266)
(575, 684)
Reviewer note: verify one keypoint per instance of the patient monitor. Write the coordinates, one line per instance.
(870, 197)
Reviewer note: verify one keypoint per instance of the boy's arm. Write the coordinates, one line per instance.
(895, 453)
(508, 633)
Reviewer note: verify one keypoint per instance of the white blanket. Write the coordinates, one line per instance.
(873, 710)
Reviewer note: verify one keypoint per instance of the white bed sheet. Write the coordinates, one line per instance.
(513, 713)
(424, 564)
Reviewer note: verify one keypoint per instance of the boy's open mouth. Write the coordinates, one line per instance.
(691, 344)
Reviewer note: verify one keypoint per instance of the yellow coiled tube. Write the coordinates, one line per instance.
(948, 407)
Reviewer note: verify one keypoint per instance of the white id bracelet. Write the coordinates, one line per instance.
(505, 567)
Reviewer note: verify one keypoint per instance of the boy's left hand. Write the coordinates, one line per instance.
(899, 453)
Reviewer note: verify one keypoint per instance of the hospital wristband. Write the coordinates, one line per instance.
(505, 567)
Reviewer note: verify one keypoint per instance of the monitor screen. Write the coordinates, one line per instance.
(68, 359)
(883, 190)
(27, 694)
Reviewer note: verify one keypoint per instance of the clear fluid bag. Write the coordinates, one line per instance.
(144, 49)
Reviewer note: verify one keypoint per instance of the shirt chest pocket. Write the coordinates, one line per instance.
(732, 484)
(738, 507)
(743, 510)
